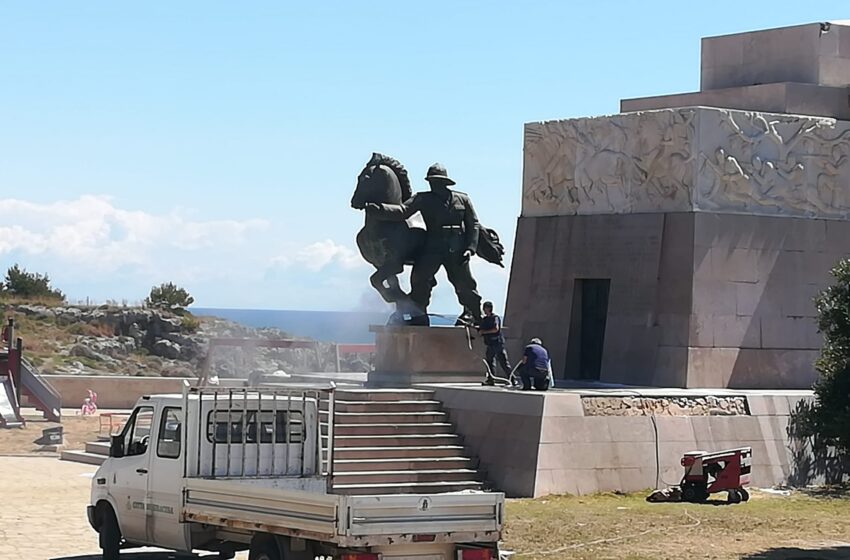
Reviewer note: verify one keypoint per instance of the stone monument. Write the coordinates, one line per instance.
(680, 242)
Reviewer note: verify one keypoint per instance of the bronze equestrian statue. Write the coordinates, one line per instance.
(390, 239)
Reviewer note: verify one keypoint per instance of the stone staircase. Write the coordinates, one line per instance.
(95, 453)
(387, 441)
(397, 441)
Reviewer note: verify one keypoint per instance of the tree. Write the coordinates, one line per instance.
(25, 284)
(828, 418)
(169, 296)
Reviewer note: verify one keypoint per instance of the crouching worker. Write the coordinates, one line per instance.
(536, 370)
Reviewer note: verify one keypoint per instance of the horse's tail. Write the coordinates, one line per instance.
(490, 248)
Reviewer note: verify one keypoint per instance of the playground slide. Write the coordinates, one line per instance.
(40, 393)
(8, 413)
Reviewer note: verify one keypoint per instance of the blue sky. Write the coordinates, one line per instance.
(217, 144)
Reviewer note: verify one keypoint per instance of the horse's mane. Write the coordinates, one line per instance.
(398, 169)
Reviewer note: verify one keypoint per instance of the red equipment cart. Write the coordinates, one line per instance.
(721, 471)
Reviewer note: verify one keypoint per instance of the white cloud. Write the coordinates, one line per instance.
(92, 232)
(93, 248)
(321, 255)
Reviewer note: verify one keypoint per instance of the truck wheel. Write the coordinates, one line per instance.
(734, 497)
(110, 535)
(263, 549)
(745, 496)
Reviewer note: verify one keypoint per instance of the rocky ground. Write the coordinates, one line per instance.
(149, 342)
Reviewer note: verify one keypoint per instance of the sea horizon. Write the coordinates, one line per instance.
(325, 326)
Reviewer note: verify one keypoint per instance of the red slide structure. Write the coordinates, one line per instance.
(20, 380)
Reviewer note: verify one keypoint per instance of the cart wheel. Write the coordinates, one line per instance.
(694, 493)
(745, 496)
(734, 497)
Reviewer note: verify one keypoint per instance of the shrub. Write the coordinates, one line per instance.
(169, 296)
(21, 283)
(189, 323)
(828, 418)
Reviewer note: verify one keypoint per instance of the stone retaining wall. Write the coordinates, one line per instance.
(113, 391)
(534, 444)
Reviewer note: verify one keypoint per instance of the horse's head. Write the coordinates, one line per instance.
(383, 180)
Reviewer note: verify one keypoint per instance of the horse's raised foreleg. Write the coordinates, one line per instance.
(377, 280)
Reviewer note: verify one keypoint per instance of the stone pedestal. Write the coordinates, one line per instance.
(406, 356)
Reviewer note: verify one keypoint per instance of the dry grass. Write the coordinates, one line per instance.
(769, 527)
(77, 430)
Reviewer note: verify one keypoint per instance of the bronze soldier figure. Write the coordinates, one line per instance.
(450, 241)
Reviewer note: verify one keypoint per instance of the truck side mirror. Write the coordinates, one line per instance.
(116, 446)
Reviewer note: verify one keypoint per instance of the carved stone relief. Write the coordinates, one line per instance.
(688, 159)
(618, 164)
(773, 164)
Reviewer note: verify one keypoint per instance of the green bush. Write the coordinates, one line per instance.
(169, 296)
(189, 323)
(23, 284)
(828, 418)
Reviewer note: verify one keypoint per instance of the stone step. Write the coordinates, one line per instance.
(414, 463)
(97, 448)
(389, 418)
(390, 429)
(362, 395)
(405, 452)
(374, 407)
(404, 476)
(414, 488)
(82, 457)
(397, 440)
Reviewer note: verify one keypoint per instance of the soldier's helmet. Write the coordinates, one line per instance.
(438, 173)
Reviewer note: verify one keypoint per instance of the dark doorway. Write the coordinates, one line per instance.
(587, 328)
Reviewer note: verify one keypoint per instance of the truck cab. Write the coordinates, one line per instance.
(138, 488)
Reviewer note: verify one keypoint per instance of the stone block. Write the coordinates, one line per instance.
(608, 480)
(630, 428)
(837, 237)
(735, 265)
(419, 353)
(711, 367)
(761, 405)
(628, 454)
(790, 333)
(585, 481)
(562, 404)
(714, 296)
(573, 429)
(737, 331)
(675, 428)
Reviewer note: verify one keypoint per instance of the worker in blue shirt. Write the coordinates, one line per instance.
(536, 367)
(490, 329)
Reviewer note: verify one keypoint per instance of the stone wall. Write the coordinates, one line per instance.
(534, 444)
(113, 391)
(647, 257)
(501, 431)
(697, 299)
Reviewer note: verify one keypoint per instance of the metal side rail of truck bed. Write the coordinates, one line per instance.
(347, 521)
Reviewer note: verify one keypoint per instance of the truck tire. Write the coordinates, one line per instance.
(110, 534)
(263, 549)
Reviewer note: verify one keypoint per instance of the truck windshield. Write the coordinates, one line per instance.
(229, 426)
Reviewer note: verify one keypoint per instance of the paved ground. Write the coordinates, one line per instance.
(43, 513)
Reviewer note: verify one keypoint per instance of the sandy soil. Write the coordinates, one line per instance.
(43, 518)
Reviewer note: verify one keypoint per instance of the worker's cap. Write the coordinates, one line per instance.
(536, 341)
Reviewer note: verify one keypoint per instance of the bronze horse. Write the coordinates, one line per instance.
(390, 245)
(387, 245)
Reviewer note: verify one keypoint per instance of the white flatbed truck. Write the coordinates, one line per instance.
(225, 470)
